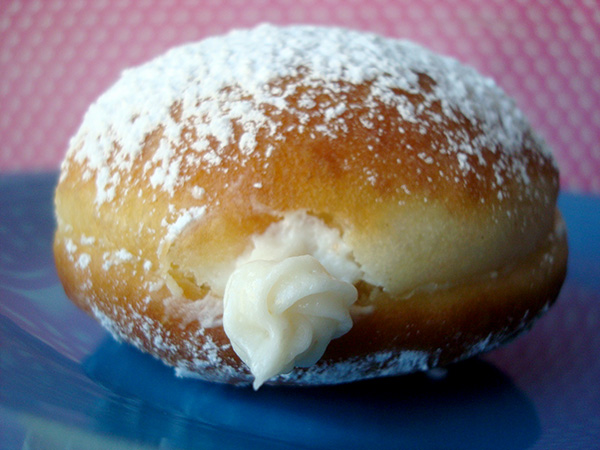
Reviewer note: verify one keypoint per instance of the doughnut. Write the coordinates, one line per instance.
(308, 205)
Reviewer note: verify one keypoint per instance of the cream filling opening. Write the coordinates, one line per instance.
(289, 296)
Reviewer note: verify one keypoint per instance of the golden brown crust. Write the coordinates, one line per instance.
(433, 190)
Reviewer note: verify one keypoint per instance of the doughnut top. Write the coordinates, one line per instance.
(232, 88)
(425, 167)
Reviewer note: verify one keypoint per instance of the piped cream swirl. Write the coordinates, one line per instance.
(283, 314)
(289, 296)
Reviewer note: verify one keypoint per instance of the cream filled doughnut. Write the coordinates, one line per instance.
(308, 205)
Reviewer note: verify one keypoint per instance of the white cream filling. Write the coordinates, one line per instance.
(289, 296)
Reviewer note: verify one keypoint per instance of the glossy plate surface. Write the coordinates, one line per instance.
(65, 384)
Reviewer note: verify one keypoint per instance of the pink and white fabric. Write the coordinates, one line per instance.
(57, 56)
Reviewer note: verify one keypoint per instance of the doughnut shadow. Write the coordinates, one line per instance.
(473, 406)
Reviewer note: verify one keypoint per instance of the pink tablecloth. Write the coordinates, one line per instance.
(57, 56)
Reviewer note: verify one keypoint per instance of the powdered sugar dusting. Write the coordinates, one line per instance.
(184, 218)
(120, 256)
(380, 364)
(215, 93)
(83, 261)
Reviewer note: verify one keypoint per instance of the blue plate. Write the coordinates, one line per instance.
(64, 383)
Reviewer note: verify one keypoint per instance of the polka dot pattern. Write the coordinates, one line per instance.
(57, 56)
